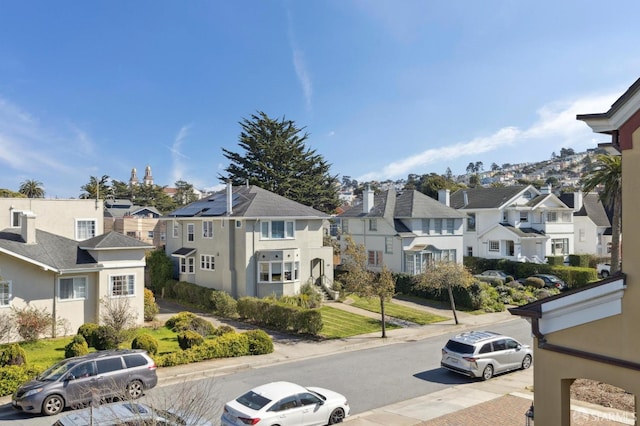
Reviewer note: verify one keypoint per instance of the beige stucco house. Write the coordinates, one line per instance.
(406, 231)
(54, 257)
(139, 222)
(592, 332)
(248, 241)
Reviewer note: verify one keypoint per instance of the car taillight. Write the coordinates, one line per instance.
(153, 366)
(248, 421)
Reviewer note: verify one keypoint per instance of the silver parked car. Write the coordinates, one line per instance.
(99, 375)
(485, 353)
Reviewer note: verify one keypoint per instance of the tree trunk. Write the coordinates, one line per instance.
(384, 328)
(453, 304)
(615, 235)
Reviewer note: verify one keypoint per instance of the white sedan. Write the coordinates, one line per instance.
(286, 404)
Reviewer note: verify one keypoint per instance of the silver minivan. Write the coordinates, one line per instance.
(123, 373)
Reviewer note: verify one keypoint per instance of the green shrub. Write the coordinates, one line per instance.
(223, 329)
(176, 322)
(160, 269)
(13, 355)
(189, 338)
(146, 342)
(534, 282)
(260, 342)
(555, 260)
(87, 330)
(223, 304)
(151, 308)
(580, 260)
(105, 337)
(233, 344)
(12, 376)
(32, 322)
(78, 346)
(189, 321)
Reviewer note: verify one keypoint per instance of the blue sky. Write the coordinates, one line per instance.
(384, 88)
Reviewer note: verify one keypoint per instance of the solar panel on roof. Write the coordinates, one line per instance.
(218, 205)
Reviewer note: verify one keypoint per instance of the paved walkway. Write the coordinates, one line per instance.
(501, 401)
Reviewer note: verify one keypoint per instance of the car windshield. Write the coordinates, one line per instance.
(253, 400)
(58, 370)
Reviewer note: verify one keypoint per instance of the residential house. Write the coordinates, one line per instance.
(519, 223)
(592, 332)
(51, 258)
(406, 230)
(592, 228)
(140, 222)
(248, 241)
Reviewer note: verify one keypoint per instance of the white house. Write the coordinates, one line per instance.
(592, 228)
(518, 223)
(405, 231)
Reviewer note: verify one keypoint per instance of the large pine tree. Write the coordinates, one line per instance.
(276, 158)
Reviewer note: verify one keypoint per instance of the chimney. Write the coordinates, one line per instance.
(28, 230)
(466, 198)
(367, 200)
(546, 190)
(443, 196)
(229, 198)
(577, 200)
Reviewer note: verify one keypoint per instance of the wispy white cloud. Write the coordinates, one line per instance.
(178, 165)
(299, 64)
(556, 127)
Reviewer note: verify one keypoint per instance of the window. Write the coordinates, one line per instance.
(560, 246)
(505, 216)
(134, 361)
(16, 222)
(176, 228)
(524, 216)
(269, 272)
(5, 293)
(471, 222)
(345, 226)
(108, 365)
(375, 258)
(276, 229)
(470, 251)
(450, 226)
(85, 229)
(122, 285)
(72, 288)
(581, 235)
(494, 245)
(238, 224)
(207, 229)
(207, 262)
(552, 216)
(285, 404)
(191, 231)
(388, 244)
(527, 194)
(131, 234)
(425, 226)
(163, 236)
(309, 399)
(566, 217)
(150, 234)
(187, 265)
(437, 225)
(373, 224)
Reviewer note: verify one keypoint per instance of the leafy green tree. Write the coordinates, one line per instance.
(430, 184)
(7, 193)
(276, 158)
(606, 173)
(363, 282)
(445, 276)
(494, 167)
(121, 190)
(31, 188)
(96, 188)
(184, 193)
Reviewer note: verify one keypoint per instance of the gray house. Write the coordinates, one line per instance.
(248, 241)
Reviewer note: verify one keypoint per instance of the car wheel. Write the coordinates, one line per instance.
(604, 274)
(526, 362)
(487, 373)
(134, 389)
(52, 405)
(337, 416)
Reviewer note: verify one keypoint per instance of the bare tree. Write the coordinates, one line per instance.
(118, 314)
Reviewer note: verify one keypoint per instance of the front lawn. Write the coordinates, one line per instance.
(397, 310)
(338, 323)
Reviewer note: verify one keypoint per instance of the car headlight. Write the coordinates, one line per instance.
(32, 392)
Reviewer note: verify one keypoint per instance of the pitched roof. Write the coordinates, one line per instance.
(53, 251)
(404, 205)
(248, 201)
(484, 198)
(112, 240)
(592, 207)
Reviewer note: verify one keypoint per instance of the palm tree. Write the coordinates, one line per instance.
(31, 188)
(606, 172)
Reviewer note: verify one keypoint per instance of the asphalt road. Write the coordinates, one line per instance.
(370, 378)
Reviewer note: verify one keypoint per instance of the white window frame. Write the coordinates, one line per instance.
(16, 218)
(78, 288)
(524, 216)
(425, 224)
(288, 231)
(451, 226)
(286, 271)
(374, 257)
(471, 222)
(5, 293)
(345, 225)
(188, 265)
(150, 234)
(176, 229)
(207, 262)
(128, 279)
(207, 229)
(552, 217)
(437, 226)
(388, 245)
(373, 224)
(84, 222)
(494, 246)
(191, 232)
(163, 236)
(562, 243)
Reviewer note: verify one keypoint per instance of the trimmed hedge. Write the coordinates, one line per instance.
(13, 355)
(88, 330)
(78, 346)
(186, 320)
(146, 342)
(283, 317)
(189, 338)
(12, 376)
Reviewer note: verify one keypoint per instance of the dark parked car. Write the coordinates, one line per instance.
(550, 281)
